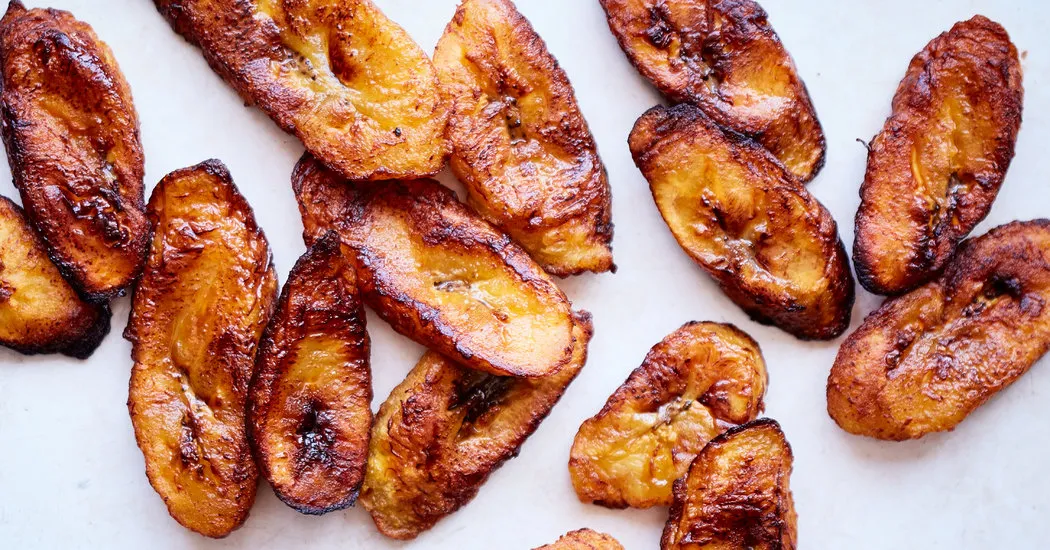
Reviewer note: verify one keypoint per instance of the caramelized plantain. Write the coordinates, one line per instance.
(346, 80)
(584, 539)
(310, 400)
(519, 141)
(938, 164)
(925, 360)
(442, 432)
(737, 494)
(198, 312)
(72, 138)
(771, 246)
(724, 57)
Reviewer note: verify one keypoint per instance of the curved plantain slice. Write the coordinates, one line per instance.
(737, 494)
(724, 57)
(771, 246)
(692, 386)
(310, 400)
(204, 298)
(937, 166)
(439, 274)
(345, 79)
(584, 539)
(442, 432)
(39, 311)
(925, 360)
(519, 141)
(72, 138)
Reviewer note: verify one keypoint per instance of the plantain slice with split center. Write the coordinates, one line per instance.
(584, 539)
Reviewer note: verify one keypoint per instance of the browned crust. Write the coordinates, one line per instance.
(584, 539)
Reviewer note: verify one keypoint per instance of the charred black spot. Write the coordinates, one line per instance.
(478, 393)
(189, 452)
(659, 33)
(315, 435)
(1003, 286)
(397, 132)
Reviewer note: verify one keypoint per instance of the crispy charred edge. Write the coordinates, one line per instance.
(584, 539)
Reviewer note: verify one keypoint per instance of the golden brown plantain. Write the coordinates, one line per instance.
(724, 57)
(346, 80)
(442, 432)
(439, 274)
(737, 494)
(72, 138)
(203, 301)
(771, 246)
(310, 400)
(584, 539)
(699, 381)
(39, 311)
(938, 164)
(519, 141)
(925, 360)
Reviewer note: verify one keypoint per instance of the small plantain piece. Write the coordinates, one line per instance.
(39, 311)
(724, 57)
(584, 539)
(198, 312)
(737, 494)
(519, 141)
(439, 274)
(442, 432)
(72, 138)
(310, 401)
(925, 360)
(699, 381)
(938, 164)
(771, 246)
(345, 79)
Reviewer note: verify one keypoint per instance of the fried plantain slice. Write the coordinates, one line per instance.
(924, 361)
(72, 138)
(723, 56)
(39, 311)
(699, 381)
(737, 494)
(520, 142)
(771, 246)
(937, 166)
(439, 274)
(198, 312)
(584, 539)
(310, 400)
(442, 432)
(345, 79)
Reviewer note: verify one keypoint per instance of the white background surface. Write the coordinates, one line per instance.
(72, 477)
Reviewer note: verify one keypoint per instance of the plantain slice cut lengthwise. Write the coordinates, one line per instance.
(72, 138)
(345, 79)
(310, 401)
(442, 432)
(205, 296)
(937, 166)
(584, 539)
(519, 141)
(771, 246)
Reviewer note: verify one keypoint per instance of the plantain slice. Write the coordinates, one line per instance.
(439, 274)
(39, 311)
(771, 246)
(925, 360)
(519, 141)
(938, 164)
(723, 56)
(310, 400)
(442, 432)
(737, 494)
(345, 79)
(72, 138)
(198, 312)
(584, 539)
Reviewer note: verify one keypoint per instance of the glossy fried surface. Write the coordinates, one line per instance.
(72, 138)
(445, 428)
(584, 539)
(925, 360)
(773, 248)
(520, 142)
(205, 296)
(725, 57)
(737, 494)
(439, 274)
(339, 74)
(938, 164)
